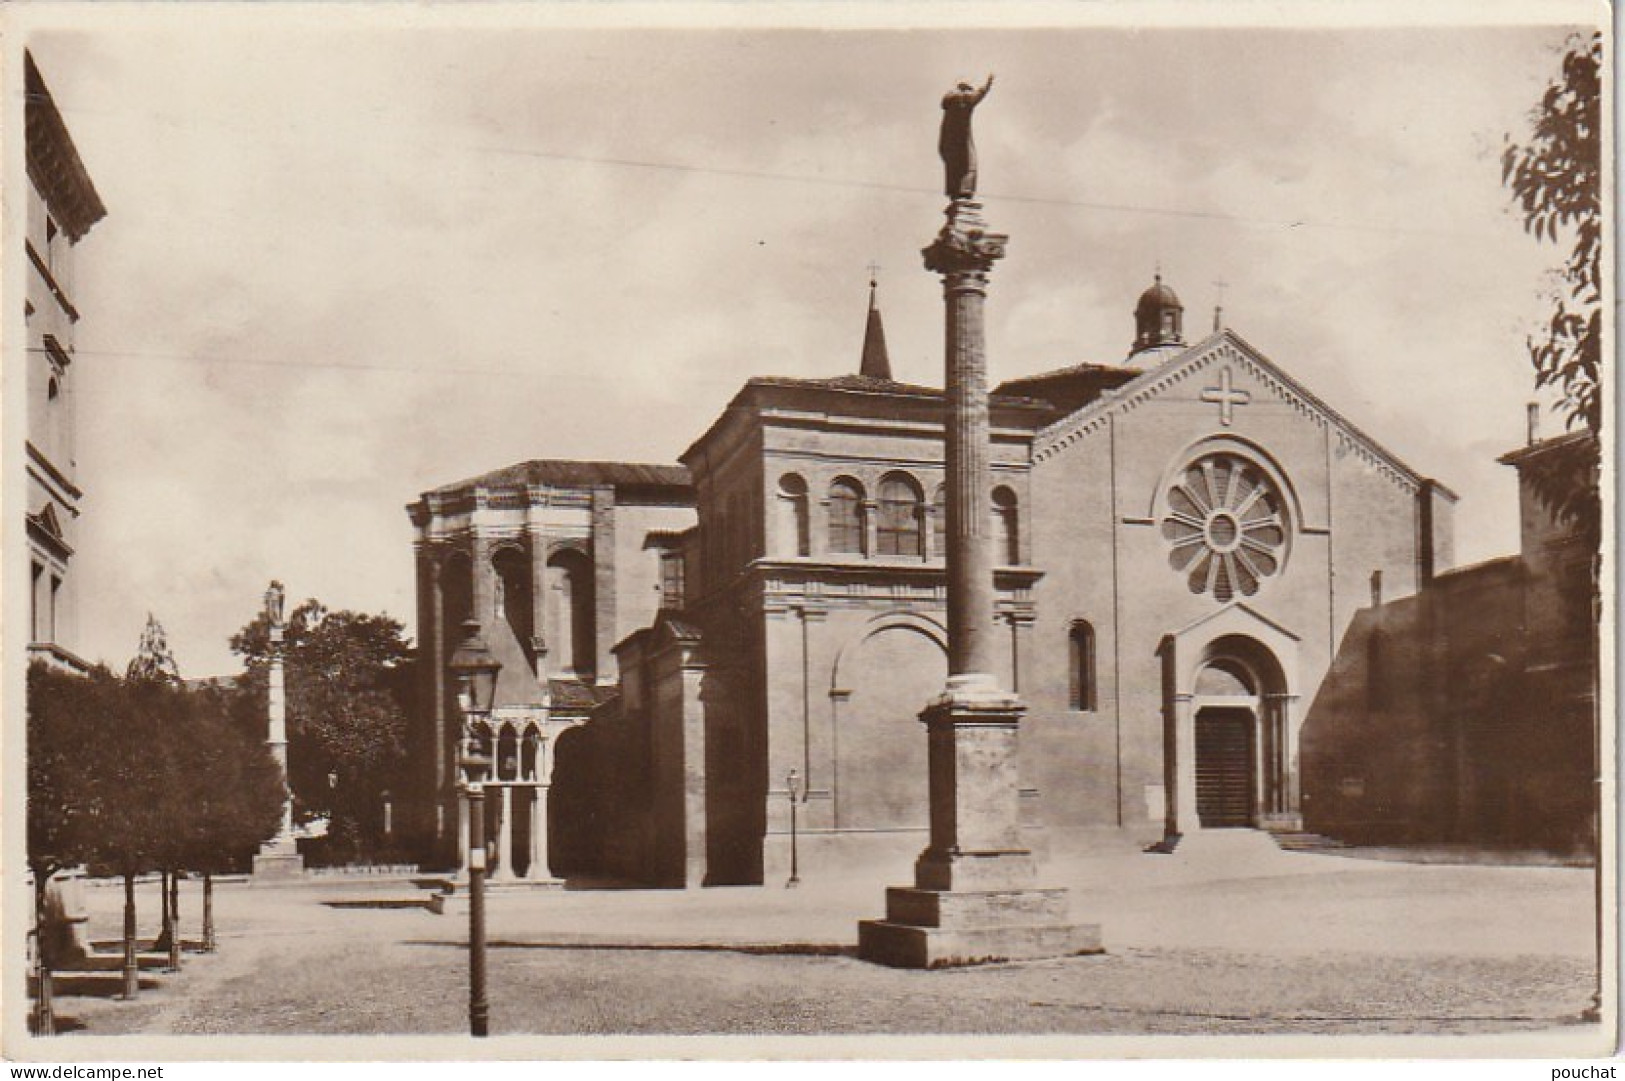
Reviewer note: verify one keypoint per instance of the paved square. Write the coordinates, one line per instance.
(1230, 936)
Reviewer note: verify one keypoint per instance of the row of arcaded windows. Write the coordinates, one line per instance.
(901, 518)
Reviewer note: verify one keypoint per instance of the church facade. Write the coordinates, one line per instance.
(1183, 539)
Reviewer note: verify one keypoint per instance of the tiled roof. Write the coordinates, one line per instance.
(864, 384)
(1071, 388)
(1545, 446)
(569, 474)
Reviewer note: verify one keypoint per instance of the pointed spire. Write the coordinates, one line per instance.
(876, 363)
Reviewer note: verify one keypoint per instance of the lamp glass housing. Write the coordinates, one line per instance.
(476, 671)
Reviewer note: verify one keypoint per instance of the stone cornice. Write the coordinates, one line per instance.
(69, 490)
(58, 657)
(790, 584)
(51, 282)
(1225, 347)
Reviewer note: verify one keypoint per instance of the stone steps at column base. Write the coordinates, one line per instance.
(899, 945)
(917, 907)
(458, 898)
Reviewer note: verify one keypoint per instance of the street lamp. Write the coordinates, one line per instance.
(476, 673)
(793, 784)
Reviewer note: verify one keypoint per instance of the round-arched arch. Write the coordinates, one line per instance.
(793, 530)
(1006, 525)
(530, 754)
(510, 570)
(1240, 740)
(846, 525)
(883, 676)
(922, 625)
(1244, 659)
(900, 530)
(507, 753)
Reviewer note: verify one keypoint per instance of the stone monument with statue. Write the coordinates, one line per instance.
(975, 896)
(279, 857)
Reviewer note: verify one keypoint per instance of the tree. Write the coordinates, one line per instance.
(132, 792)
(1556, 179)
(154, 663)
(347, 711)
(152, 659)
(63, 714)
(237, 800)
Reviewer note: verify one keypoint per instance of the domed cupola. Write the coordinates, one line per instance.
(1159, 318)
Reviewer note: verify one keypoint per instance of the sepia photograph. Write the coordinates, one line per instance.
(655, 531)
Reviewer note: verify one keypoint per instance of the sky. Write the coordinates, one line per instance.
(345, 263)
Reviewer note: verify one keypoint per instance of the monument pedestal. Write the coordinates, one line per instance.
(278, 859)
(975, 897)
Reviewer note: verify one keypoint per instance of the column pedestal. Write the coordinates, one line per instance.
(975, 896)
(271, 864)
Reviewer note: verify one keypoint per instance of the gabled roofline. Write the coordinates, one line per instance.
(1242, 606)
(1063, 432)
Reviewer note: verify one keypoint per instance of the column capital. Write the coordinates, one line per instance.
(964, 251)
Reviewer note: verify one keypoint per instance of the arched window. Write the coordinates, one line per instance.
(512, 567)
(793, 537)
(900, 529)
(846, 517)
(507, 755)
(1006, 527)
(1081, 666)
(570, 613)
(939, 523)
(529, 755)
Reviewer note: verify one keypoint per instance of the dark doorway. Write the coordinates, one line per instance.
(1224, 766)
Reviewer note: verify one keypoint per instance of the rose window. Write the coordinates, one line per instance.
(1226, 527)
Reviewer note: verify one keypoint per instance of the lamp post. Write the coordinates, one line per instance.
(44, 1009)
(475, 670)
(793, 784)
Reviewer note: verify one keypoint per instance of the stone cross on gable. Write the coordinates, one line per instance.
(1225, 395)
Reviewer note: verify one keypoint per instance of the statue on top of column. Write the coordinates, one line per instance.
(273, 604)
(955, 144)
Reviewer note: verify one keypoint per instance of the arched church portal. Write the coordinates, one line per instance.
(1230, 754)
